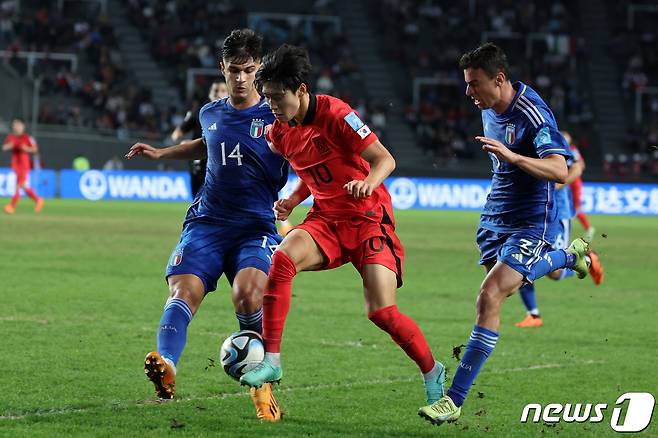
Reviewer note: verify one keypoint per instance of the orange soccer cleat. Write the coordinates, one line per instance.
(38, 206)
(267, 408)
(10, 209)
(529, 322)
(595, 268)
(161, 373)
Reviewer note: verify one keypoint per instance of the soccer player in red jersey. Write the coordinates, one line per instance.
(595, 268)
(21, 146)
(342, 163)
(576, 191)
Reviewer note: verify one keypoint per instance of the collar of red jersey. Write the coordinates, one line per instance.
(310, 113)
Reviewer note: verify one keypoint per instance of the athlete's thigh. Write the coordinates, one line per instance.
(380, 284)
(502, 279)
(312, 246)
(21, 176)
(200, 251)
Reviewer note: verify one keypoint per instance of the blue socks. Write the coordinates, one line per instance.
(251, 321)
(527, 293)
(172, 333)
(551, 261)
(480, 345)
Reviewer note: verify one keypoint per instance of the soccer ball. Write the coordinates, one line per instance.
(241, 352)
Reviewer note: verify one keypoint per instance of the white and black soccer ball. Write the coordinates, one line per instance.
(241, 352)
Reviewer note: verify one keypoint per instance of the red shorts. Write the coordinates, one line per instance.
(359, 241)
(21, 175)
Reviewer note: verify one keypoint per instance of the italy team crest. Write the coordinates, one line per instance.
(257, 128)
(177, 257)
(510, 134)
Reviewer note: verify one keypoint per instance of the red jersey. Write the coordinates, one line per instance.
(19, 158)
(325, 152)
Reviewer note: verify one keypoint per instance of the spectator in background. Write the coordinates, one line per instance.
(217, 91)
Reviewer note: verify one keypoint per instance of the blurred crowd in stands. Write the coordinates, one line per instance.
(542, 39)
(444, 120)
(634, 46)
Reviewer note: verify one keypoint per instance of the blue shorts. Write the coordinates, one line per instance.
(209, 250)
(519, 250)
(564, 234)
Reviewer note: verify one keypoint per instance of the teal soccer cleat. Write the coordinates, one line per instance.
(434, 388)
(263, 373)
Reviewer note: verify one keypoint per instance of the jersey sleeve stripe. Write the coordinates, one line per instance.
(527, 113)
(533, 108)
(545, 152)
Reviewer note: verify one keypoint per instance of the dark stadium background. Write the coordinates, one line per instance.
(91, 77)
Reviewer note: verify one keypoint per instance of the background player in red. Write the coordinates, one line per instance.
(343, 165)
(21, 146)
(576, 191)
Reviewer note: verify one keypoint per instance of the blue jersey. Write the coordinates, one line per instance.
(519, 201)
(564, 199)
(243, 175)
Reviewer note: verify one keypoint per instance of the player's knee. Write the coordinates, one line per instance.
(183, 291)
(247, 298)
(384, 317)
(490, 297)
(283, 267)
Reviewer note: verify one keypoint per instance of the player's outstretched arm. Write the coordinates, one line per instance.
(187, 150)
(7, 146)
(382, 164)
(552, 167)
(283, 207)
(575, 172)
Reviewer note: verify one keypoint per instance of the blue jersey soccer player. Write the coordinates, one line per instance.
(565, 213)
(229, 228)
(519, 220)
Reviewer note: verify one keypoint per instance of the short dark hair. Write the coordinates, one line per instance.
(489, 57)
(18, 119)
(241, 45)
(288, 65)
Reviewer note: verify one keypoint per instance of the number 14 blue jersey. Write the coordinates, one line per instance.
(243, 175)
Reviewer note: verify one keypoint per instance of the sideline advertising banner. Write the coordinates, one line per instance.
(471, 194)
(43, 181)
(95, 185)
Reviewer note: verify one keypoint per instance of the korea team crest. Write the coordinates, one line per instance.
(510, 134)
(257, 128)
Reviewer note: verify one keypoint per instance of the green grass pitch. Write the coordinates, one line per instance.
(82, 291)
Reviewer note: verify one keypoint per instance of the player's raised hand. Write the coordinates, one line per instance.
(143, 149)
(359, 189)
(283, 208)
(501, 151)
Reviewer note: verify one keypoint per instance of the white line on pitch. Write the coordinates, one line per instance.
(65, 411)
